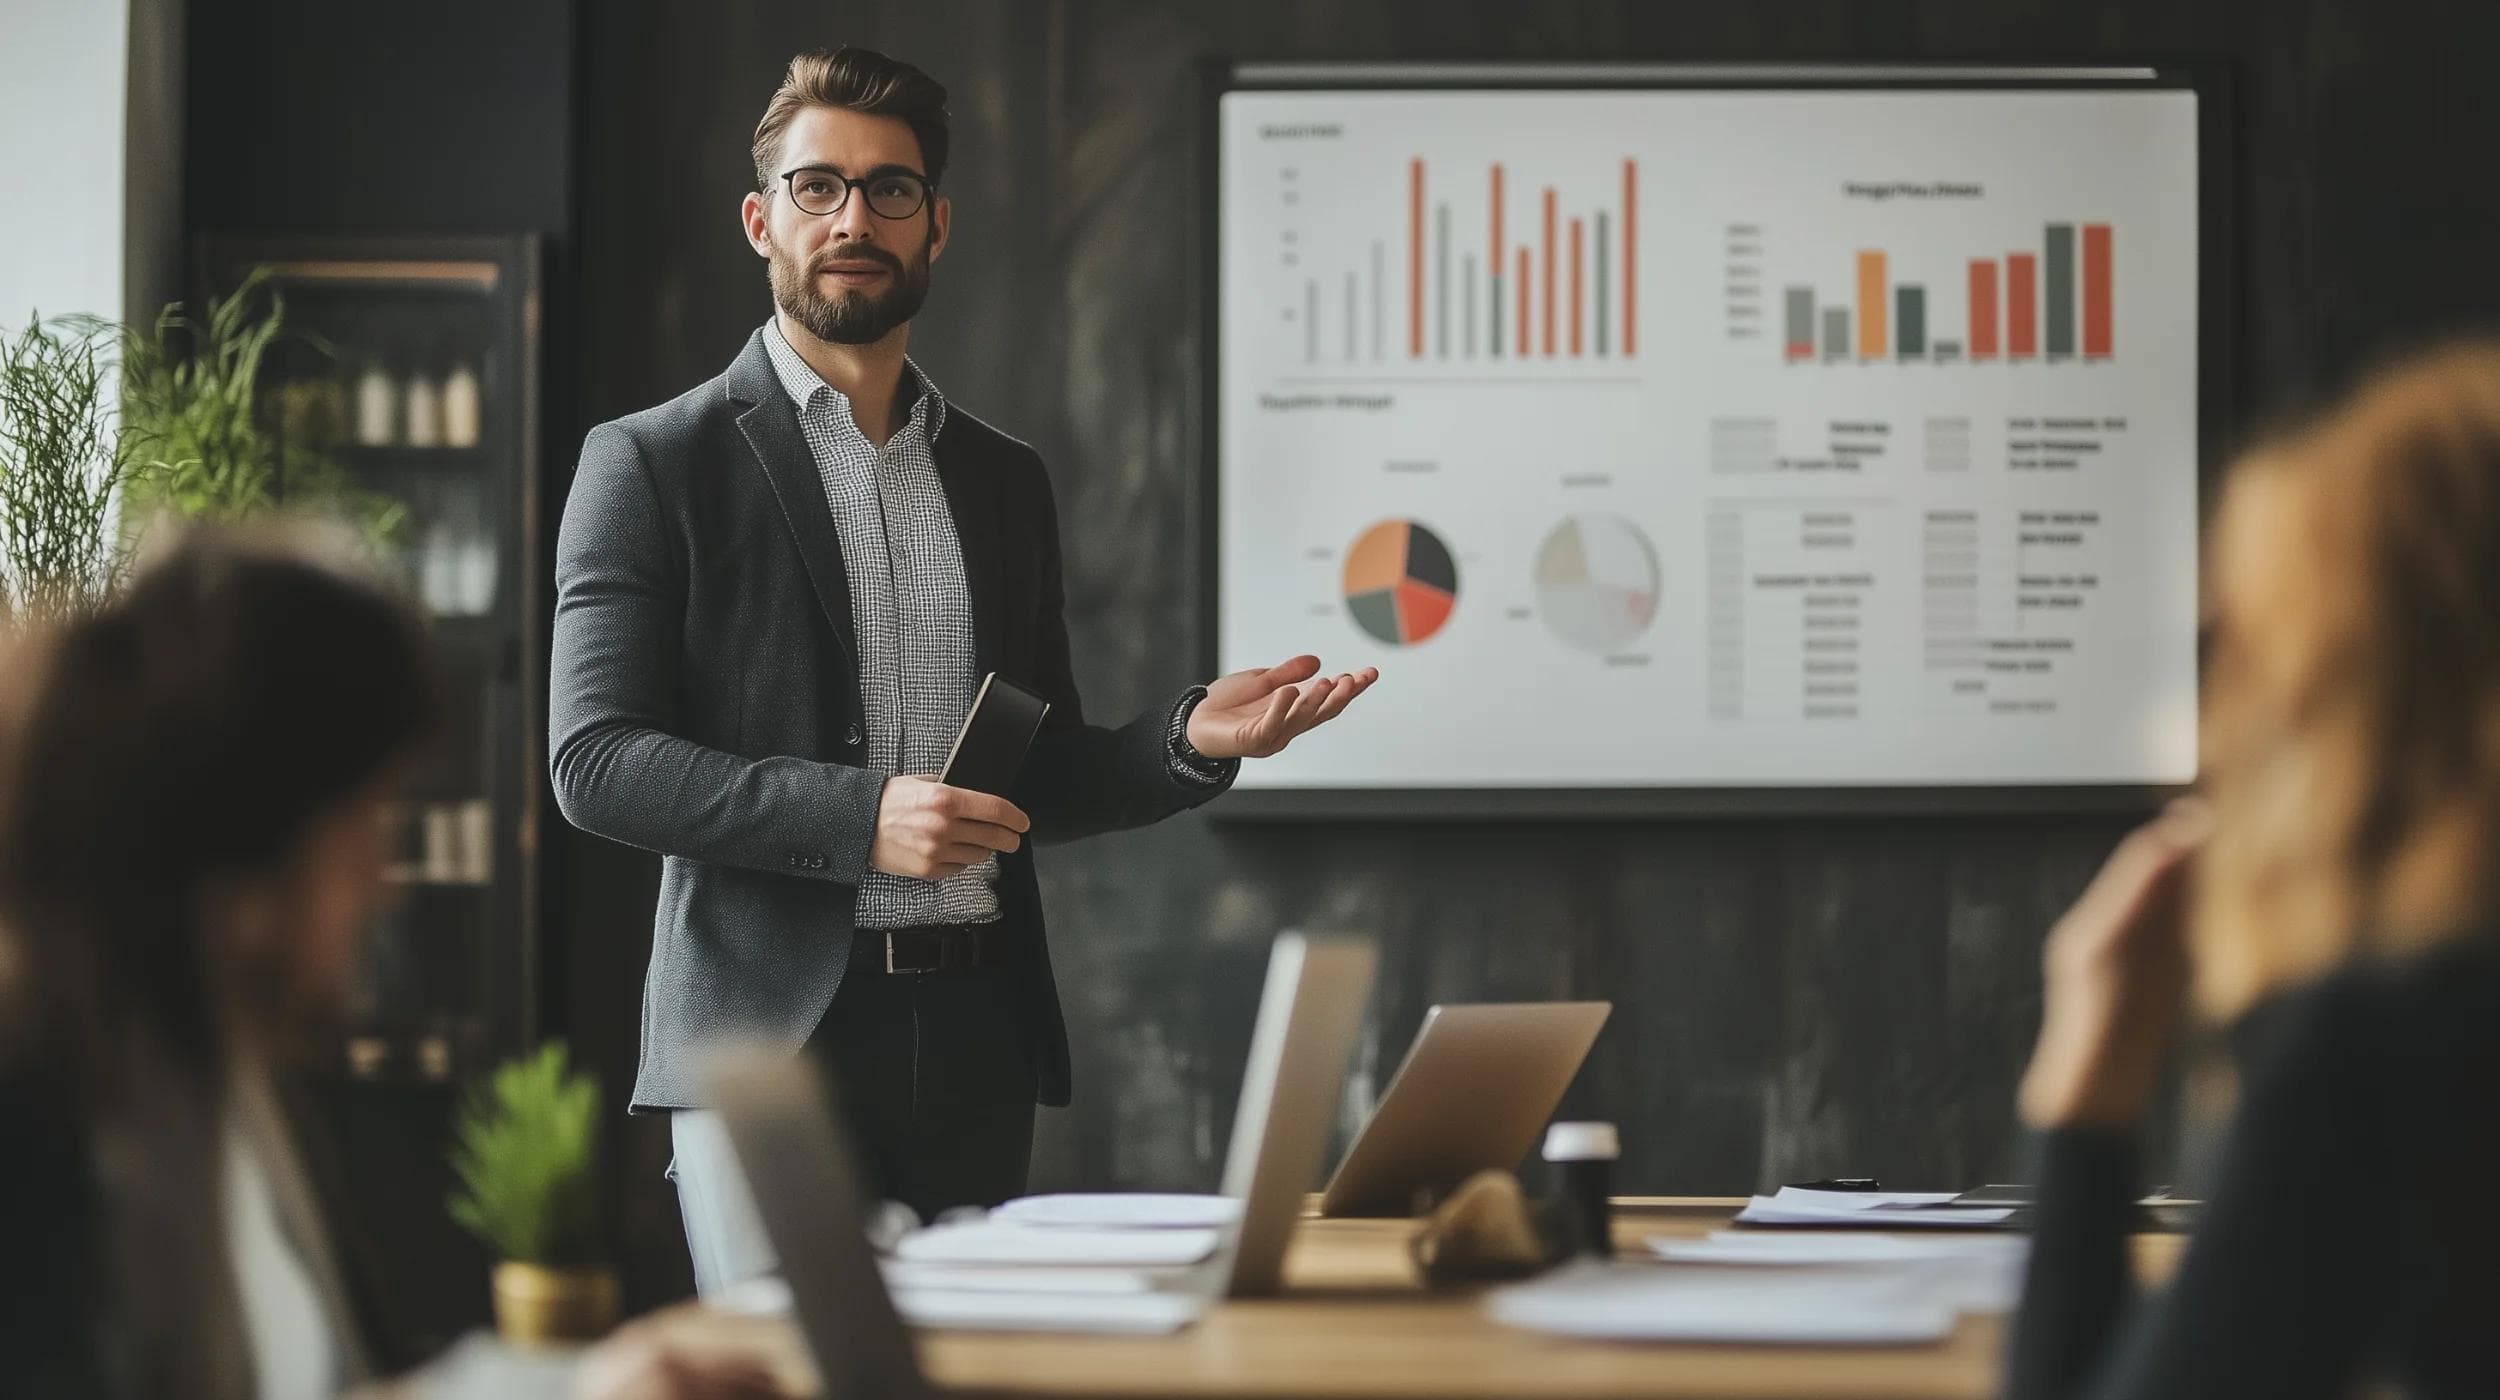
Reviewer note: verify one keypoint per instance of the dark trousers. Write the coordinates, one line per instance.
(936, 1075)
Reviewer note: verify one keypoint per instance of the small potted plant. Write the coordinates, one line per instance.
(525, 1150)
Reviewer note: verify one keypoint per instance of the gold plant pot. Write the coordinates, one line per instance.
(539, 1306)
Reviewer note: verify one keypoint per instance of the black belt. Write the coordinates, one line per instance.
(933, 948)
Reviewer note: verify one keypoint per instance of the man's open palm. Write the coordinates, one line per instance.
(1254, 714)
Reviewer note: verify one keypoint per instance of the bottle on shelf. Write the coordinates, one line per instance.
(476, 566)
(433, 1054)
(462, 412)
(423, 402)
(377, 407)
(477, 841)
(442, 843)
(438, 567)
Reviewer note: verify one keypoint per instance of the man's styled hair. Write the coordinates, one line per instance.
(861, 80)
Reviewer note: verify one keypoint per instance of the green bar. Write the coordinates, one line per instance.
(1909, 316)
(2058, 289)
(1603, 301)
(1495, 301)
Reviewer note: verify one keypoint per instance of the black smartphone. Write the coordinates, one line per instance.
(989, 749)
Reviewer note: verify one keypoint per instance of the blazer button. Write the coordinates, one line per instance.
(850, 736)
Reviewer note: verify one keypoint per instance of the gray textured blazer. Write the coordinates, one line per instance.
(705, 705)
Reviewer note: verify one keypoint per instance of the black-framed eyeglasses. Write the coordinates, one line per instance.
(891, 194)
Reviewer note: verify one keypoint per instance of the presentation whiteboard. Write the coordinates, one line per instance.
(1827, 435)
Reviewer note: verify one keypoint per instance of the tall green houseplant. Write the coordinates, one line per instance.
(210, 447)
(63, 460)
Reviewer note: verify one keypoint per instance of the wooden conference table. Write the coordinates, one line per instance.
(1356, 1323)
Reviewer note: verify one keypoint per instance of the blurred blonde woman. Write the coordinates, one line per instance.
(2331, 899)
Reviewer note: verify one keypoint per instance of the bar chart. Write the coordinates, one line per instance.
(1785, 431)
(2050, 304)
(1486, 267)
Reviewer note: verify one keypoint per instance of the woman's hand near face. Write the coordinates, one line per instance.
(2117, 968)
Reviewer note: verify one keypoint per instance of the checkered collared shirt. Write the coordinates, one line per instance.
(910, 610)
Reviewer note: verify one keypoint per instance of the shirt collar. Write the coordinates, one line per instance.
(803, 384)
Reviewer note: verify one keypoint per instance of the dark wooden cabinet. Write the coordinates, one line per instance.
(415, 363)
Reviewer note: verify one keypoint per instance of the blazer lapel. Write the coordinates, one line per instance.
(972, 498)
(771, 427)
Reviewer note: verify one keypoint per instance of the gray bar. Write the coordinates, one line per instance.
(1310, 319)
(1944, 350)
(2058, 289)
(1467, 280)
(1441, 281)
(1379, 256)
(1909, 321)
(1602, 299)
(1800, 321)
(1495, 301)
(1835, 332)
(1349, 318)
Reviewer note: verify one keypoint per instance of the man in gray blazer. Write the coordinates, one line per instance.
(776, 596)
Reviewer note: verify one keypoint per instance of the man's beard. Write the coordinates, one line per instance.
(850, 317)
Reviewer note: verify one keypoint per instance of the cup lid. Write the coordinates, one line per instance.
(1582, 1142)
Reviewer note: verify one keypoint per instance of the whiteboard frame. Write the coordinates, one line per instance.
(2217, 395)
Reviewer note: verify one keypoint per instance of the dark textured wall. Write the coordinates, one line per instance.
(1794, 997)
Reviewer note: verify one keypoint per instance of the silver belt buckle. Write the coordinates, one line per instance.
(889, 952)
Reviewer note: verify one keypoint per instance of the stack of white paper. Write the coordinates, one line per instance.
(1883, 1210)
(1975, 1273)
(1138, 1210)
(1069, 1263)
(1027, 1299)
(1804, 1305)
(1005, 1242)
(1028, 1278)
(1143, 1314)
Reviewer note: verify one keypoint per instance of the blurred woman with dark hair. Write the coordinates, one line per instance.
(2333, 897)
(194, 803)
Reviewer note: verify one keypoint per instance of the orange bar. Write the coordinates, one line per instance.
(2096, 328)
(1575, 286)
(1872, 326)
(1494, 264)
(1630, 243)
(1523, 299)
(2022, 305)
(1549, 270)
(1983, 308)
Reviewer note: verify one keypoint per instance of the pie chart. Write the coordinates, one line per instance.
(1597, 582)
(1401, 584)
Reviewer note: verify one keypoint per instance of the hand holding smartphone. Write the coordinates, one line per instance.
(990, 748)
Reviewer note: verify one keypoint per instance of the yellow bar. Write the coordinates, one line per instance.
(1871, 324)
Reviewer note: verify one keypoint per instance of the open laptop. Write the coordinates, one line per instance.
(1477, 1086)
(781, 1116)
